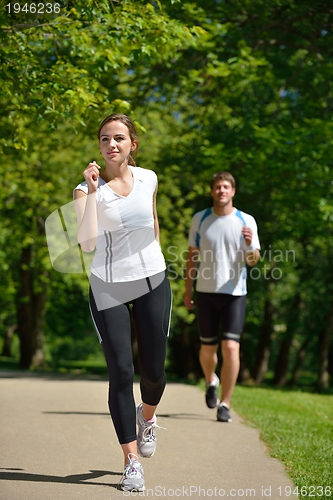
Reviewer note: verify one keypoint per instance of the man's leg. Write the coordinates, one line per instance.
(230, 369)
(208, 322)
(208, 361)
(233, 321)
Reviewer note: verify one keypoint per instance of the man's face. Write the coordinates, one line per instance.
(222, 193)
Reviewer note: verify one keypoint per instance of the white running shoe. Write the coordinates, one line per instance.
(146, 434)
(133, 477)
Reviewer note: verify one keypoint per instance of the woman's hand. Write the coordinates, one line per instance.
(91, 175)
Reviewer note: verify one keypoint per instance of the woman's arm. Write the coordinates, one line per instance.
(86, 209)
(86, 214)
(156, 224)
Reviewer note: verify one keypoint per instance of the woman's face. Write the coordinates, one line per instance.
(115, 143)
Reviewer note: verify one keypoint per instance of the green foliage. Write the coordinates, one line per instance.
(69, 349)
(62, 73)
(70, 65)
(70, 333)
(240, 86)
(251, 98)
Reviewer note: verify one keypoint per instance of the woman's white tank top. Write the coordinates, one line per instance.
(126, 248)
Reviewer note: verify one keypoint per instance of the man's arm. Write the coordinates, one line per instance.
(190, 273)
(251, 256)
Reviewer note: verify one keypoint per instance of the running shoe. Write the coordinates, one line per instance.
(133, 477)
(211, 392)
(146, 434)
(223, 414)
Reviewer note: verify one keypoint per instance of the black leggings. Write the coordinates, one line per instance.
(151, 317)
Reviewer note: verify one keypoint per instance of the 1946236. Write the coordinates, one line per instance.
(33, 8)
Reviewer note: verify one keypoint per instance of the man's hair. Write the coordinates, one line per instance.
(223, 176)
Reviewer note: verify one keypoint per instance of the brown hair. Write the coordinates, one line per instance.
(223, 176)
(131, 129)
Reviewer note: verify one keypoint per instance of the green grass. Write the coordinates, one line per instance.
(82, 367)
(298, 429)
(9, 363)
(94, 366)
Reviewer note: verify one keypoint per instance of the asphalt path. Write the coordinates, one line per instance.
(58, 443)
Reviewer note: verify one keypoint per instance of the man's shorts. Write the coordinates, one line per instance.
(215, 309)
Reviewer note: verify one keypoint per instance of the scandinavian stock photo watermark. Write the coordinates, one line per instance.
(269, 266)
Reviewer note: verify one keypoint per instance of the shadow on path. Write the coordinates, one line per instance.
(13, 475)
(183, 416)
(76, 413)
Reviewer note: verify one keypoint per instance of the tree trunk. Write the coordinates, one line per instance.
(263, 352)
(324, 349)
(30, 315)
(8, 340)
(299, 361)
(281, 367)
(330, 364)
(244, 376)
(183, 353)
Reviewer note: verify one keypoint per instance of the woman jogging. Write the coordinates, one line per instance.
(116, 213)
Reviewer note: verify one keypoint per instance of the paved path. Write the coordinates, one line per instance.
(58, 443)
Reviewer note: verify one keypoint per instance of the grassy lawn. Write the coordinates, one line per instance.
(93, 367)
(298, 429)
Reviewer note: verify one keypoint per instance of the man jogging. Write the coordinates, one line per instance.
(224, 240)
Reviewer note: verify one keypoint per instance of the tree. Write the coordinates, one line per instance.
(60, 72)
(241, 86)
(252, 97)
